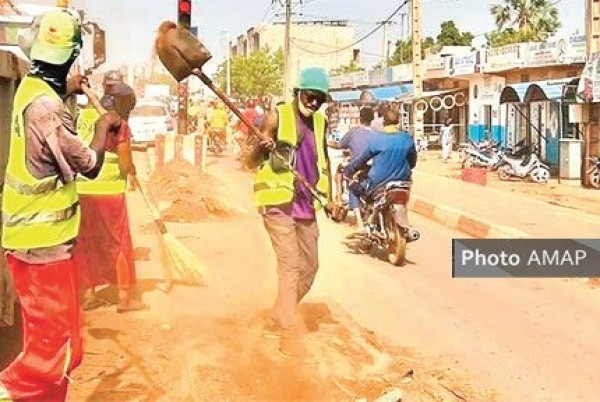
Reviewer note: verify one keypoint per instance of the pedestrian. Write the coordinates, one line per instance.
(447, 139)
(288, 209)
(41, 212)
(104, 250)
(355, 141)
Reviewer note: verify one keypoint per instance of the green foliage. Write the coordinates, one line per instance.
(523, 21)
(403, 52)
(350, 68)
(451, 36)
(260, 74)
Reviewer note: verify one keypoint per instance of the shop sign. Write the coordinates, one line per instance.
(504, 58)
(435, 63)
(588, 90)
(544, 53)
(462, 64)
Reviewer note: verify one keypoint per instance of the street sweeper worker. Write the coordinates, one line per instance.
(296, 130)
(104, 250)
(40, 210)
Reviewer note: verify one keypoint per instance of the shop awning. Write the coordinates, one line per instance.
(345, 96)
(525, 92)
(391, 93)
(546, 90)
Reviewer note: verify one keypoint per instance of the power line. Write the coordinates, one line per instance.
(364, 37)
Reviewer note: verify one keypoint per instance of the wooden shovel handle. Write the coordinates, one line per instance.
(93, 98)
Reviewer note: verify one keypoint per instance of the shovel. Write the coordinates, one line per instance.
(183, 55)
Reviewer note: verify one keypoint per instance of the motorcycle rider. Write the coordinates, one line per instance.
(218, 122)
(355, 141)
(394, 156)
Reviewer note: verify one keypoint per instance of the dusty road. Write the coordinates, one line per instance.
(377, 327)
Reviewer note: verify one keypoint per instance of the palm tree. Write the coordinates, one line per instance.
(534, 19)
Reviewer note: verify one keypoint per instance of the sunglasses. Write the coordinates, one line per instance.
(314, 97)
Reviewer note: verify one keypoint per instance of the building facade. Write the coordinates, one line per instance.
(326, 44)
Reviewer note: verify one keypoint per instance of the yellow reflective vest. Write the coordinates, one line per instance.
(277, 188)
(36, 213)
(109, 180)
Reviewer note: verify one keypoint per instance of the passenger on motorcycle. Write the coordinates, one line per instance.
(394, 156)
(355, 141)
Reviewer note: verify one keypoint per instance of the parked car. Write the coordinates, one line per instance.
(149, 119)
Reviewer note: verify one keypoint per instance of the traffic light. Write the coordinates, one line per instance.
(184, 13)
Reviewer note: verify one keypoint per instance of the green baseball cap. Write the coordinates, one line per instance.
(314, 78)
(58, 35)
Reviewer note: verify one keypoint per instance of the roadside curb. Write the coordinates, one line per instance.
(456, 219)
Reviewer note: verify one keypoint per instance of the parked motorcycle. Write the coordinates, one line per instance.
(387, 223)
(593, 172)
(488, 156)
(522, 167)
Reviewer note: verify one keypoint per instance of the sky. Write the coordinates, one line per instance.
(131, 25)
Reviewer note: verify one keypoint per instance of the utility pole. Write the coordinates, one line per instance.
(228, 66)
(384, 49)
(286, 51)
(590, 129)
(417, 60)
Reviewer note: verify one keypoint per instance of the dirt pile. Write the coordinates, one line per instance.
(184, 194)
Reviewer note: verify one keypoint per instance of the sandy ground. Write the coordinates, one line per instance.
(567, 193)
(374, 327)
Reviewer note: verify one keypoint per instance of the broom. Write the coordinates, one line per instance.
(183, 260)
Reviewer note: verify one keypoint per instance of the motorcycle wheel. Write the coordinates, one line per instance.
(540, 175)
(396, 244)
(504, 173)
(468, 162)
(594, 179)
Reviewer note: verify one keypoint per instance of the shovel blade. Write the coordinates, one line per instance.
(180, 51)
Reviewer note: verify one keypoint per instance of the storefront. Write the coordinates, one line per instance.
(537, 113)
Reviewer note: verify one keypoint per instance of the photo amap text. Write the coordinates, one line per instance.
(541, 258)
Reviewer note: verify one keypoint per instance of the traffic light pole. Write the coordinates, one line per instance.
(184, 14)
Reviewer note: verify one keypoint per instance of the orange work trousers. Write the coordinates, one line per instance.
(52, 342)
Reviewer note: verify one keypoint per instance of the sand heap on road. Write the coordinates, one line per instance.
(184, 194)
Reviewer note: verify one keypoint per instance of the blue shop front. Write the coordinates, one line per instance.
(537, 113)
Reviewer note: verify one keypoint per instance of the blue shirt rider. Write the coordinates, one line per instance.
(393, 153)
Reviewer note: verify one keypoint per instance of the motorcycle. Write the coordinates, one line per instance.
(387, 223)
(216, 140)
(521, 167)
(340, 213)
(488, 156)
(593, 172)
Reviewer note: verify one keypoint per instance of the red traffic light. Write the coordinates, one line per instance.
(185, 6)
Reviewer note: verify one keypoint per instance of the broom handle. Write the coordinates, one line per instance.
(207, 81)
(98, 106)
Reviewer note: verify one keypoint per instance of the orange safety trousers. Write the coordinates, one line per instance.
(52, 342)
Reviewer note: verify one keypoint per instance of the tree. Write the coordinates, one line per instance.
(451, 36)
(350, 68)
(522, 21)
(403, 52)
(258, 75)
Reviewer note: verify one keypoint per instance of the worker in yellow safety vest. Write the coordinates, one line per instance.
(104, 251)
(297, 130)
(40, 209)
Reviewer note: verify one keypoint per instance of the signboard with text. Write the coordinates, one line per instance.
(505, 57)
(463, 64)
